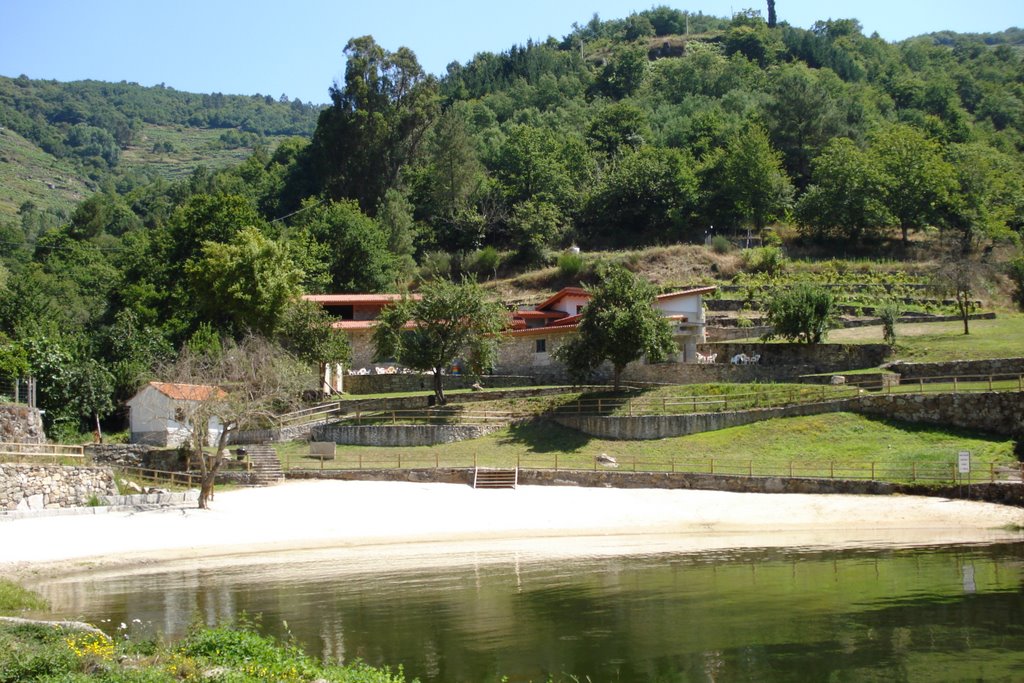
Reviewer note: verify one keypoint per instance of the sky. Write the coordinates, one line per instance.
(295, 47)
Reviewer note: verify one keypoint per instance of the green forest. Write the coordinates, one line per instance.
(660, 128)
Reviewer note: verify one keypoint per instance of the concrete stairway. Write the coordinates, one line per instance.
(495, 478)
(266, 467)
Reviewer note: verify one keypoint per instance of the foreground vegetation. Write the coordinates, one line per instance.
(48, 653)
(834, 444)
(51, 654)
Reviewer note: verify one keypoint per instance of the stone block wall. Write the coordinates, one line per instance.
(827, 356)
(644, 427)
(958, 368)
(135, 455)
(382, 384)
(21, 424)
(995, 412)
(400, 435)
(42, 487)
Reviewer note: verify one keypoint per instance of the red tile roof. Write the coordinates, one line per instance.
(561, 294)
(347, 299)
(688, 292)
(188, 392)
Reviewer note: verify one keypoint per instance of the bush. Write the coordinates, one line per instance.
(768, 260)
(570, 264)
(435, 264)
(770, 238)
(485, 261)
(803, 312)
(721, 244)
(889, 312)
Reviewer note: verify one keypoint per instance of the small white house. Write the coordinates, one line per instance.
(160, 413)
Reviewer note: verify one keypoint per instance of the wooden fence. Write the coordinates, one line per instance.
(33, 452)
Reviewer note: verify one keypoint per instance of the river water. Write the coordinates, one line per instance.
(648, 613)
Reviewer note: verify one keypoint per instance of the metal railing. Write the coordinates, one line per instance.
(880, 471)
(31, 452)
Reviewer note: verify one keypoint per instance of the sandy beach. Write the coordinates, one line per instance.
(384, 519)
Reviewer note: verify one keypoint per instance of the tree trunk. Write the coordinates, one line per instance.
(99, 432)
(439, 387)
(210, 469)
(616, 377)
(965, 313)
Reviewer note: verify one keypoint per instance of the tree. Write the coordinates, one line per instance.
(746, 181)
(803, 312)
(307, 332)
(245, 384)
(772, 19)
(447, 321)
(846, 200)
(918, 180)
(619, 324)
(376, 123)
(357, 246)
(245, 285)
(90, 389)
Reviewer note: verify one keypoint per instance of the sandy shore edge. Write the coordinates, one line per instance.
(422, 524)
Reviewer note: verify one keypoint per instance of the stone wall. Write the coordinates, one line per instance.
(400, 435)
(646, 427)
(21, 424)
(828, 356)
(383, 384)
(995, 412)
(41, 487)
(135, 455)
(692, 373)
(958, 368)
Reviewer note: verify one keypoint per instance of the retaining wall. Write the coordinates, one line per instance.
(958, 368)
(646, 427)
(993, 412)
(21, 424)
(41, 487)
(382, 384)
(837, 356)
(1007, 494)
(400, 435)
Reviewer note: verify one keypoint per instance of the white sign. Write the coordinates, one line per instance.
(964, 462)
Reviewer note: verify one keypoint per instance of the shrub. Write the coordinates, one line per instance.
(485, 261)
(803, 312)
(770, 238)
(435, 264)
(720, 244)
(768, 260)
(570, 264)
(889, 311)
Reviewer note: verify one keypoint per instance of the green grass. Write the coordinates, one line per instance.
(1002, 337)
(834, 444)
(41, 652)
(14, 598)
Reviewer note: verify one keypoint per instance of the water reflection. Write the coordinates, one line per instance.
(910, 614)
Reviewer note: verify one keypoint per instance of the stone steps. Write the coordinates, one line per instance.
(266, 466)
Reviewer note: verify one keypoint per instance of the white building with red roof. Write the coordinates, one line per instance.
(533, 335)
(161, 413)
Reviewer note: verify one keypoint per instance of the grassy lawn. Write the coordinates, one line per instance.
(999, 338)
(836, 444)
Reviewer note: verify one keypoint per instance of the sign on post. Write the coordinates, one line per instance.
(964, 462)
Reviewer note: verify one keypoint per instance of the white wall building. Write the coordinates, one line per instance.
(161, 413)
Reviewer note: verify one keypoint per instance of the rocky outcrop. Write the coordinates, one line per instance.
(21, 424)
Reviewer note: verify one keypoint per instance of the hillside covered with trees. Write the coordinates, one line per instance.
(660, 128)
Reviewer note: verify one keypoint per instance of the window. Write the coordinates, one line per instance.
(542, 346)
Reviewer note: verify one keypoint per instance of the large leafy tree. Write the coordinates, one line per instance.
(918, 179)
(244, 286)
(745, 182)
(376, 123)
(847, 198)
(447, 321)
(619, 324)
(357, 247)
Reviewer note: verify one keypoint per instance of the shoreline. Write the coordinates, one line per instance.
(422, 524)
